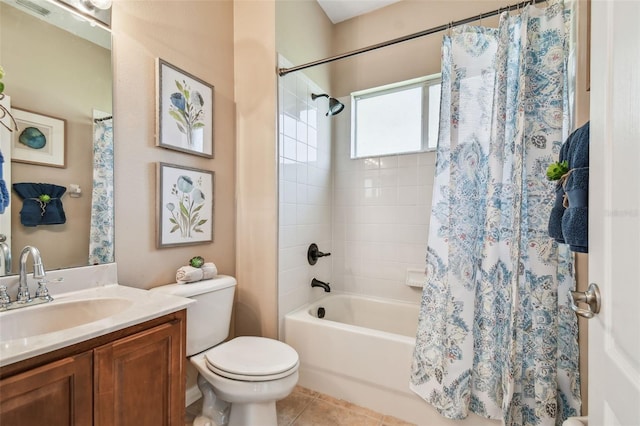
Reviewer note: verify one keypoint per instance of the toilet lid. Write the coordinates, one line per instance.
(252, 357)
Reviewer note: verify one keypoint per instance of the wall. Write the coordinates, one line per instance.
(305, 190)
(53, 72)
(304, 34)
(196, 36)
(256, 178)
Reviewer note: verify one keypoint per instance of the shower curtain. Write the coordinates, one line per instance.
(496, 335)
(101, 233)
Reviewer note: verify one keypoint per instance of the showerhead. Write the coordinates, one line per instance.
(335, 106)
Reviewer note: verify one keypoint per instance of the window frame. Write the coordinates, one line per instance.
(425, 82)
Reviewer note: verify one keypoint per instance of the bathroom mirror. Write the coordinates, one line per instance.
(57, 65)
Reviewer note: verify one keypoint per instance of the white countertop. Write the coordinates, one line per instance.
(145, 305)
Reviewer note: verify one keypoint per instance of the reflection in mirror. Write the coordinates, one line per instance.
(58, 65)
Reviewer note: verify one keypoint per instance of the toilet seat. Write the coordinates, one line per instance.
(253, 359)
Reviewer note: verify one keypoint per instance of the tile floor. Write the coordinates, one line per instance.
(305, 407)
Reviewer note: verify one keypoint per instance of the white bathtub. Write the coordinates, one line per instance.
(361, 352)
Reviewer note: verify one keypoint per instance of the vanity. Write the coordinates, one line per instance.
(98, 354)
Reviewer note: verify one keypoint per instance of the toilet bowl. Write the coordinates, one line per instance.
(249, 373)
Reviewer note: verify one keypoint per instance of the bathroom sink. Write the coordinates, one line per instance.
(57, 316)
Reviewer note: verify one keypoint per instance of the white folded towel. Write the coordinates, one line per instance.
(189, 274)
(209, 270)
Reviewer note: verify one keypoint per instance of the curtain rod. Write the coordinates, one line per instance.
(284, 71)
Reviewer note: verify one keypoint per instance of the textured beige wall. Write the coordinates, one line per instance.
(257, 179)
(196, 36)
(52, 72)
(415, 58)
(304, 34)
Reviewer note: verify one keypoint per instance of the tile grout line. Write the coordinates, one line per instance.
(313, 398)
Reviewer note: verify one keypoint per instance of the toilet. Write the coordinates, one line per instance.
(250, 373)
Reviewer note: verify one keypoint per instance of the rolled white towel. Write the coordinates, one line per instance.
(209, 270)
(189, 274)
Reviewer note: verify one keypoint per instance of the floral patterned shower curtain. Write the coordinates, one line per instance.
(101, 233)
(496, 335)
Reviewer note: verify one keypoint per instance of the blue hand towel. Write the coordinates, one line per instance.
(569, 225)
(575, 221)
(555, 217)
(578, 151)
(35, 212)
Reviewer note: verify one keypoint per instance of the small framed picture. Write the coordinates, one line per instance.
(184, 111)
(40, 139)
(185, 205)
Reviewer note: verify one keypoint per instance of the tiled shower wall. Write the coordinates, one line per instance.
(372, 214)
(381, 210)
(305, 184)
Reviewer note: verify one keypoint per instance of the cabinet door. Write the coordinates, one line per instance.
(56, 394)
(139, 379)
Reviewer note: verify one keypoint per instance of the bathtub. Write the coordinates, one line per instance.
(361, 352)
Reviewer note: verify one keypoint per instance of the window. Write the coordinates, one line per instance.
(396, 119)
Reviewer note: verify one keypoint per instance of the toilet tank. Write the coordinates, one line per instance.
(208, 319)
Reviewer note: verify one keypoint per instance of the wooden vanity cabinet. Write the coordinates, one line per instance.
(138, 379)
(56, 394)
(134, 376)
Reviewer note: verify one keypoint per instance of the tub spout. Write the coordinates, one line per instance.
(318, 283)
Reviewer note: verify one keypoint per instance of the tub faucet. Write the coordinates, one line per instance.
(38, 272)
(318, 283)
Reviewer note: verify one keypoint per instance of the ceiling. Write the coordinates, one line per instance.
(341, 10)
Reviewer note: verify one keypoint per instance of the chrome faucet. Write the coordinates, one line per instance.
(23, 298)
(318, 283)
(38, 272)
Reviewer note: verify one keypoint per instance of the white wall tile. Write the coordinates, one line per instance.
(305, 191)
(290, 126)
(289, 148)
(301, 131)
(388, 162)
(288, 193)
(287, 236)
(408, 176)
(301, 152)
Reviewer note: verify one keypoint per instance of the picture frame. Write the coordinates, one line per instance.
(40, 139)
(184, 106)
(185, 205)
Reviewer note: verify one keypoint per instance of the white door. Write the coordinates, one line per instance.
(614, 213)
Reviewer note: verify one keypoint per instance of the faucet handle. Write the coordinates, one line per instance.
(5, 300)
(313, 253)
(43, 292)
